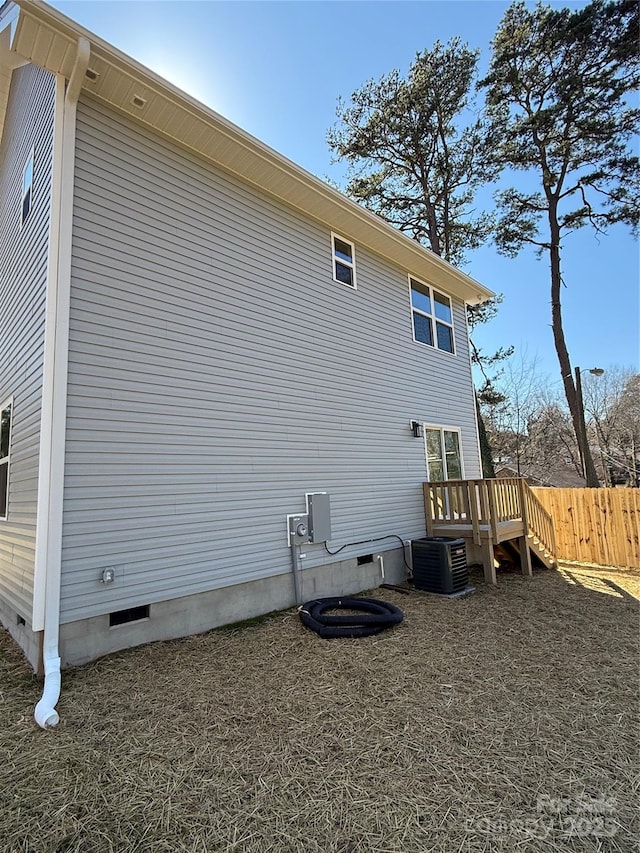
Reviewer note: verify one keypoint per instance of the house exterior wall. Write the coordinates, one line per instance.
(217, 373)
(23, 278)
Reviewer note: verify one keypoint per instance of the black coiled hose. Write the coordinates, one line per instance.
(374, 617)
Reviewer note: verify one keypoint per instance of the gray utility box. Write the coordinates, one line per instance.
(439, 564)
(319, 507)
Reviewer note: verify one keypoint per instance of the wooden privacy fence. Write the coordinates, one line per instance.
(600, 526)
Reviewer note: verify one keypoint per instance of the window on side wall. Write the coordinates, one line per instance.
(27, 189)
(5, 449)
(344, 261)
(444, 456)
(432, 316)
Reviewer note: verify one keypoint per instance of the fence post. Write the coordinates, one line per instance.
(428, 518)
(473, 487)
(523, 543)
(524, 511)
(492, 509)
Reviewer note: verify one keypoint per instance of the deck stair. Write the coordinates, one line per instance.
(488, 512)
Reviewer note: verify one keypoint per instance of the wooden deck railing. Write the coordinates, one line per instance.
(488, 503)
(539, 521)
(456, 502)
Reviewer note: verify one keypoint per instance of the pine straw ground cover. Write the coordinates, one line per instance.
(500, 722)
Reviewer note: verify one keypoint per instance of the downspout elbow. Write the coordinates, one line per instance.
(45, 714)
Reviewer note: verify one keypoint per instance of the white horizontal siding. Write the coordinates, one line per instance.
(23, 268)
(217, 373)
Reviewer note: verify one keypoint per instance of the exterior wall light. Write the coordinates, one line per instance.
(416, 429)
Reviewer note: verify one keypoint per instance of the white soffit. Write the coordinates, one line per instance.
(8, 60)
(48, 39)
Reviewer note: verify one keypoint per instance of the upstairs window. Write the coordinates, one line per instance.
(27, 188)
(344, 261)
(432, 316)
(5, 447)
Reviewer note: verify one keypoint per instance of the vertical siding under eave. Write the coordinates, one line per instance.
(217, 373)
(23, 270)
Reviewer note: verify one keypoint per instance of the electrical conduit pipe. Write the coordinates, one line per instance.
(45, 713)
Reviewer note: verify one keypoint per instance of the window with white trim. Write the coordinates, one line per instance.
(344, 261)
(432, 316)
(5, 448)
(27, 189)
(444, 454)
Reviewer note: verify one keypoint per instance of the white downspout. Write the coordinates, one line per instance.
(49, 545)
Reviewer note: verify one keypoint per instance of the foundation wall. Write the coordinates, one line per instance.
(88, 639)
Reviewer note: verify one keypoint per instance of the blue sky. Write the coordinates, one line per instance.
(277, 69)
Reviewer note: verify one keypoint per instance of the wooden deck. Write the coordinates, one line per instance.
(488, 512)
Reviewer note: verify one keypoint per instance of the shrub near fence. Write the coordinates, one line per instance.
(600, 526)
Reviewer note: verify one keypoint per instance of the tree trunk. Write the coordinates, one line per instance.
(577, 414)
(486, 456)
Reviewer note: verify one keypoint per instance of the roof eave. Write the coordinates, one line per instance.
(46, 37)
(9, 59)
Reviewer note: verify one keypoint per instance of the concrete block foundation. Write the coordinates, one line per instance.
(30, 641)
(87, 639)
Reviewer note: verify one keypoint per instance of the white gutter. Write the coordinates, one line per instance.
(46, 607)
